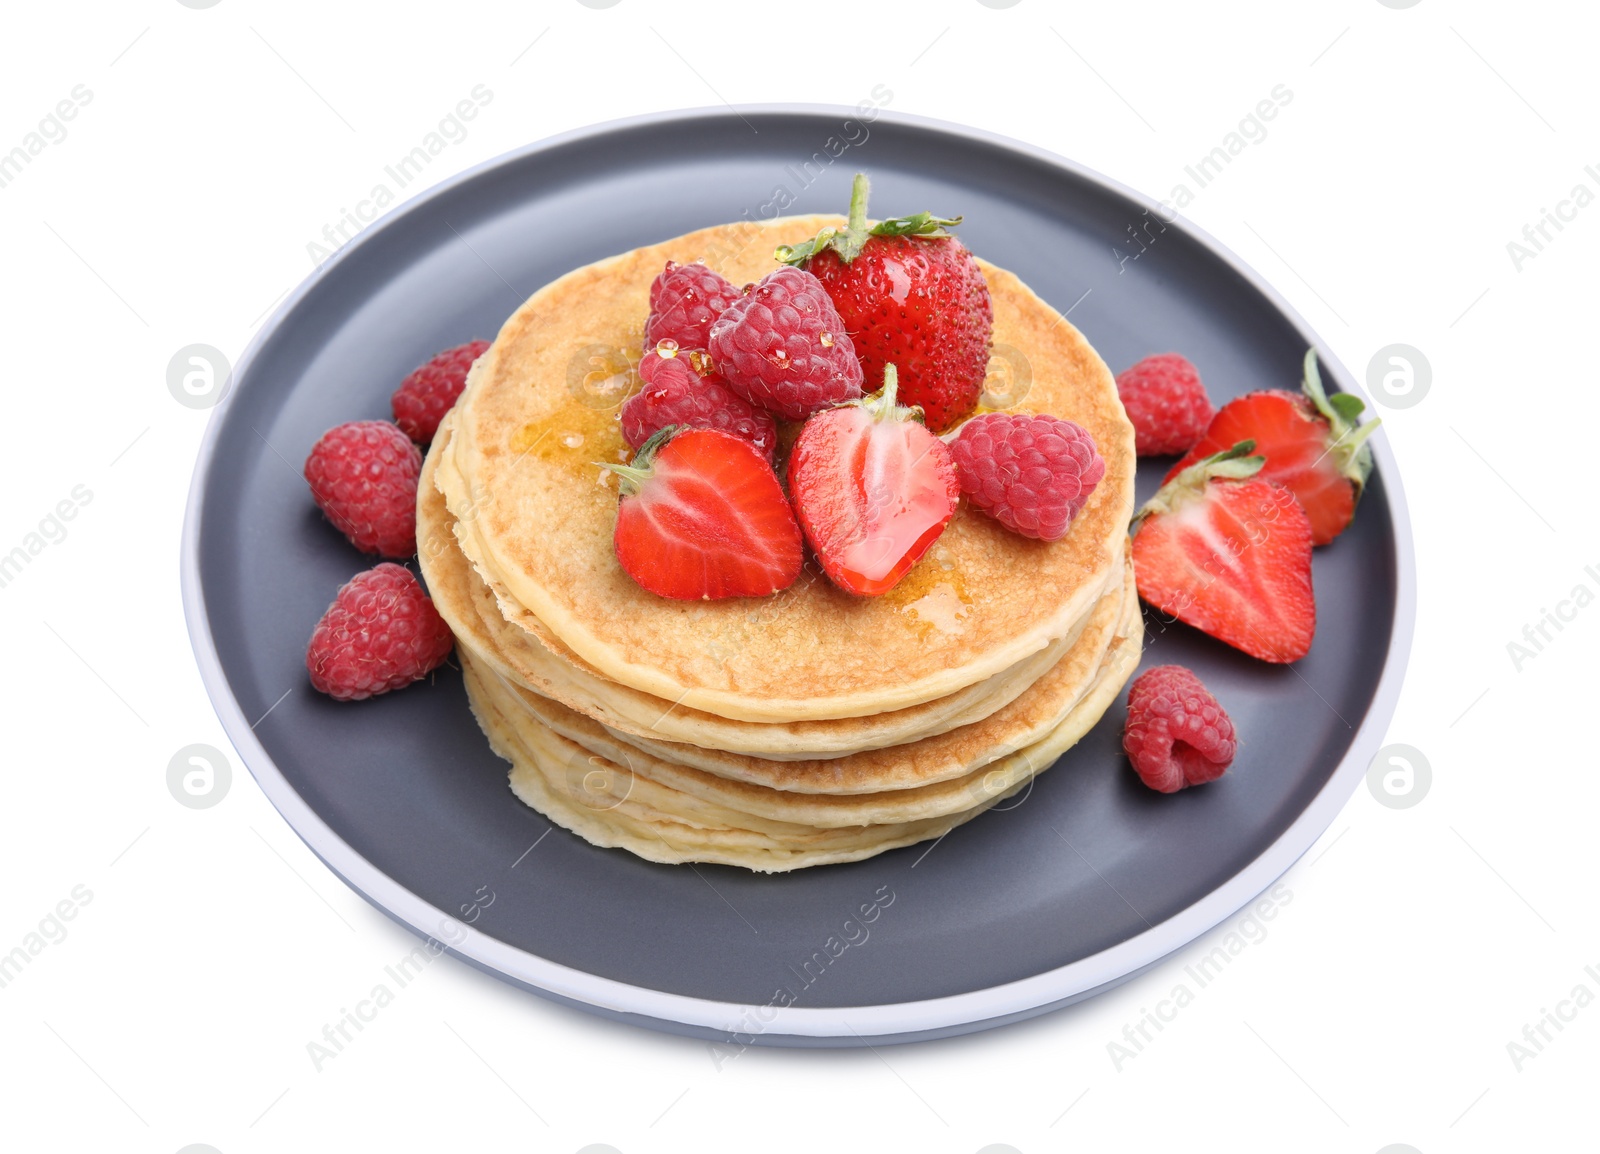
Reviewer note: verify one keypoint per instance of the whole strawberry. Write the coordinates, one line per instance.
(1167, 404)
(425, 396)
(684, 300)
(363, 475)
(1311, 442)
(1177, 734)
(873, 489)
(381, 632)
(684, 389)
(1230, 554)
(702, 517)
(1033, 474)
(783, 347)
(911, 295)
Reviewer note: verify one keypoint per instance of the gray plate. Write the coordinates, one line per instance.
(1081, 883)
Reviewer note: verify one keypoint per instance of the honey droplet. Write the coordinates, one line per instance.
(666, 347)
(574, 436)
(826, 338)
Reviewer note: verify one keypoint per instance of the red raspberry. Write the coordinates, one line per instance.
(684, 300)
(782, 346)
(424, 397)
(1166, 403)
(363, 475)
(684, 389)
(1031, 473)
(1177, 735)
(381, 633)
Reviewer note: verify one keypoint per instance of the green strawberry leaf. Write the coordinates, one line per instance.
(1348, 445)
(852, 238)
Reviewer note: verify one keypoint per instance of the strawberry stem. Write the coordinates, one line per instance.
(636, 472)
(852, 238)
(882, 405)
(1232, 464)
(860, 189)
(1342, 410)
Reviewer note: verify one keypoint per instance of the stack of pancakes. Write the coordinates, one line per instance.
(772, 733)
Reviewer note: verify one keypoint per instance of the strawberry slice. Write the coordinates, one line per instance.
(873, 488)
(1229, 553)
(702, 517)
(1312, 445)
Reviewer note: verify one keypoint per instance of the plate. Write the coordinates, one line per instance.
(1076, 885)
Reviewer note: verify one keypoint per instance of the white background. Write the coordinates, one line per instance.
(1418, 942)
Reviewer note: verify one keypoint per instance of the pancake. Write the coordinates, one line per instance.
(531, 657)
(954, 754)
(657, 838)
(536, 519)
(672, 814)
(905, 798)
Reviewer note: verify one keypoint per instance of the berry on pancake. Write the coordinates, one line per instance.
(683, 388)
(911, 295)
(782, 346)
(873, 489)
(702, 517)
(1033, 474)
(684, 300)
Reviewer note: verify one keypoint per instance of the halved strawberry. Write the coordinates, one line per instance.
(912, 295)
(702, 517)
(1312, 445)
(1229, 553)
(873, 488)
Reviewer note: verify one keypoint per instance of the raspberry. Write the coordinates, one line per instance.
(1031, 473)
(1177, 735)
(363, 475)
(425, 396)
(1166, 403)
(683, 389)
(783, 346)
(684, 300)
(380, 633)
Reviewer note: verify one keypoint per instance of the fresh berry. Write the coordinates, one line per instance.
(873, 489)
(911, 295)
(684, 300)
(684, 389)
(1177, 735)
(1032, 474)
(363, 475)
(783, 347)
(1230, 554)
(702, 516)
(1166, 403)
(1312, 443)
(425, 396)
(381, 632)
